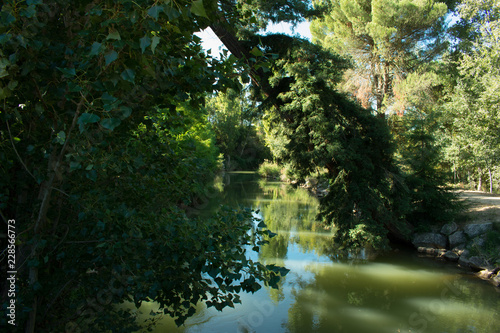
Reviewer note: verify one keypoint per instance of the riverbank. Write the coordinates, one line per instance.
(473, 241)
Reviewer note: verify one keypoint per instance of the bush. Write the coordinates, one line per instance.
(269, 170)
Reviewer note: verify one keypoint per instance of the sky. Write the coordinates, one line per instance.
(210, 40)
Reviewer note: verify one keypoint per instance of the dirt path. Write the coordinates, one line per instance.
(483, 207)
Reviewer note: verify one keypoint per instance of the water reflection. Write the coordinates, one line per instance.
(397, 292)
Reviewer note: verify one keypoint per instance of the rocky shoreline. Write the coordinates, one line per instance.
(470, 246)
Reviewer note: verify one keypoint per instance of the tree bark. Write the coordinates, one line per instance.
(234, 46)
(480, 180)
(491, 179)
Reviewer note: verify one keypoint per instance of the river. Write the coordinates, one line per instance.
(395, 292)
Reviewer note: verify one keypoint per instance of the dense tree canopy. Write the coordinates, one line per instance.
(113, 119)
(473, 136)
(103, 138)
(325, 129)
(387, 39)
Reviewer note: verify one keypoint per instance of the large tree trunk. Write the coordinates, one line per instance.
(234, 46)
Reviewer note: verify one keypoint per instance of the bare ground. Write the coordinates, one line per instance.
(482, 207)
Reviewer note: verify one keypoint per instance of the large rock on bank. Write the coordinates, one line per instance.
(449, 228)
(429, 239)
(457, 238)
(473, 230)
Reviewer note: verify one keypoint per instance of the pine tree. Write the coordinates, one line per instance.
(386, 39)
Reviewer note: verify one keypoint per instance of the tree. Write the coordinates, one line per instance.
(417, 130)
(235, 122)
(103, 138)
(387, 39)
(326, 129)
(474, 142)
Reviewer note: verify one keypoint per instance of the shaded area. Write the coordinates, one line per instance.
(395, 292)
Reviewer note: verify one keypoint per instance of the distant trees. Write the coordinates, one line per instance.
(238, 133)
(473, 136)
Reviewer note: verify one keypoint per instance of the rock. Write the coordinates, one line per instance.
(449, 228)
(463, 261)
(473, 230)
(496, 280)
(457, 239)
(430, 239)
(464, 258)
(485, 274)
(476, 263)
(478, 241)
(450, 255)
(431, 251)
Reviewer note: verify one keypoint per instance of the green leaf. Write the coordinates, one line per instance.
(67, 72)
(155, 11)
(92, 175)
(110, 57)
(6, 18)
(128, 75)
(145, 42)
(95, 49)
(109, 102)
(74, 166)
(154, 44)
(171, 13)
(28, 12)
(73, 87)
(198, 9)
(110, 123)
(12, 85)
(256, 52)
(124, 112)
(114, 34)
(5, 38)
(88, 118)
(61, 137)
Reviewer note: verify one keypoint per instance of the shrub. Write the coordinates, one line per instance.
(269, 170)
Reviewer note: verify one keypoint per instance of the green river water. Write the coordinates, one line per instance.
(395, 292)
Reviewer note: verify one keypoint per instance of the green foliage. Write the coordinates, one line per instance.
(386, 39)
(103, 139)
(325, 129)
(416, 129)
(269, 170)
(235, 123)
(418, 155)
(472, 109)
